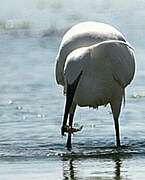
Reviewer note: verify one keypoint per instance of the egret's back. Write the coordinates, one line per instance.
(82, 35)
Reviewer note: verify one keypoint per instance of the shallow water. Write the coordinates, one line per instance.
(31, 104)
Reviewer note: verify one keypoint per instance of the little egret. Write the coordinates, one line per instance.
(94, 64)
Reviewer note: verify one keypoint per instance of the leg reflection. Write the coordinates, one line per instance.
(69, 170)
(118, 163)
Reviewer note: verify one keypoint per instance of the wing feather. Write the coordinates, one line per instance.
(120, 56)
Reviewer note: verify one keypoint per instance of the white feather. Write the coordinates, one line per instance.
(106, 62)
(104, 66)
(121, 58)
(75, 63)
(82, 35)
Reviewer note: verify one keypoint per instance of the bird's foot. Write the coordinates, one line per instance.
(69, 129)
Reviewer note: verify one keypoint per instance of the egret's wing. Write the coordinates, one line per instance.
(120, 56)
(75, 64)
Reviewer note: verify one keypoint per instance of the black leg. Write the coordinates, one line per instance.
(116, 107)
(116, 122)
(69, 99)
(68, 145)
(71, 88)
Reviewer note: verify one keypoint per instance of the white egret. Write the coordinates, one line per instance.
(94, 64)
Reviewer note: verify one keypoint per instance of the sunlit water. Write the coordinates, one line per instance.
(31, 103)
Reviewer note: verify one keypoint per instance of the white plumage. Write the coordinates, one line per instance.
(104, 66)
(94, 64)
(81, 35)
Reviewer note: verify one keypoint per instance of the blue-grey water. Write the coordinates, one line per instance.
(32, 104)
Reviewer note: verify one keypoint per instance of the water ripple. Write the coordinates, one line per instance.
(44, 151)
